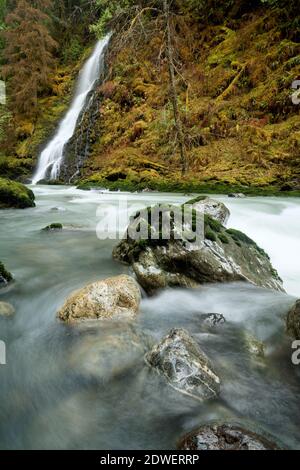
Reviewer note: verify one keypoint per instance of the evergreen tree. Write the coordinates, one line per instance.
(28, 54)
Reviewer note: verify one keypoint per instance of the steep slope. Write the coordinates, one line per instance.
(242, 129)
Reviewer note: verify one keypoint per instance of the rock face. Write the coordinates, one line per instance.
(187, 369)
(117, 297)
(225, 437)
(15, 195)
(6, 310)
(221, 256)
(217, 210)
(293, 321)
(5, 276)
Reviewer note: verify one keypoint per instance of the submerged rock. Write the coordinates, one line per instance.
(206, 205)
(5, 276)
(15, 195)
(185, 366)
(220, 255)
(237, 195)
(225, 437)
(254, 346)
(293, 321)
(6, 310)
(57, 227)
(107, 353)
(212, 319)
(116, 297)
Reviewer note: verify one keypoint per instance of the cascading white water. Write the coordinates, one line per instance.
(52, 157)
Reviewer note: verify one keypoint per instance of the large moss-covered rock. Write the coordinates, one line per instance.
(206, 205)
(220, 255)
(185, 366)
(117, 297)
(293, 321)
(225, 437)
(5, 276)
(15, 195)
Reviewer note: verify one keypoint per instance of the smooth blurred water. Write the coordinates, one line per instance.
(88, 388)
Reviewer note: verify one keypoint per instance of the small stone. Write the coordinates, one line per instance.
(237, 195)
(213, 319)
(6, 310)
(254, 346)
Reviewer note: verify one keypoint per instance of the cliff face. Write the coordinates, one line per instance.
(235, 85)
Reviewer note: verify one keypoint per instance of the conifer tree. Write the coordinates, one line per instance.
(28, 54)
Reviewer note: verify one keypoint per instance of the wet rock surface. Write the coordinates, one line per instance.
(293, 321)
(225, 437)
(206, 205)
(117, 297)
(185, 366)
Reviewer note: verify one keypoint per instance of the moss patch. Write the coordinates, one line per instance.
(16, 195)
(4, 273)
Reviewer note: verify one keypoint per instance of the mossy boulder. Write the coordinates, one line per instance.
(216, 255)
(5, 276)
(56, 227)
(15, 195)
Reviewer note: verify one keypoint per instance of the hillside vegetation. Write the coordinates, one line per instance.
(234, 74)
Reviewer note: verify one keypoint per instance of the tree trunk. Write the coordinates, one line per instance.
(173, 92)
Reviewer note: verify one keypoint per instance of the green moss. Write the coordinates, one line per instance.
(13, 194)
(195, 200)
(214, 224)
(223, 238)
(4, 273)
(210, 235)
(53, 227)
(241, 238)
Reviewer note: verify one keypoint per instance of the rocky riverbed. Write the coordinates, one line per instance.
(156, 368)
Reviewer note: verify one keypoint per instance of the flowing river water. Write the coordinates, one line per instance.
(77, 388)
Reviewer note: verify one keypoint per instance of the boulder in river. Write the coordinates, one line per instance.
(5, 276)
(206, 205)
(293, 321)
(225, 437)
(184, 365)
(6, 310)
(56, 227)
(221, 255)
(116, 297)
(108, 352)
(15, 195)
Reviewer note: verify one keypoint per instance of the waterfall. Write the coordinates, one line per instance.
(52, 156)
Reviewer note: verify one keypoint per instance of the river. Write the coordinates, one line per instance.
(55, 392)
